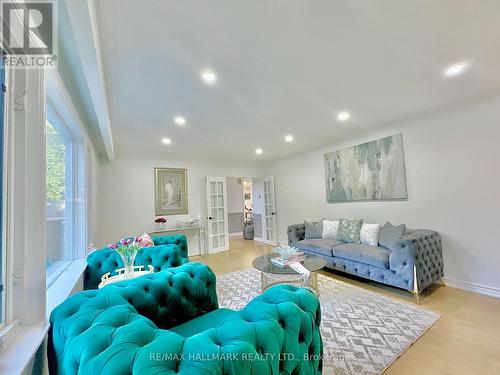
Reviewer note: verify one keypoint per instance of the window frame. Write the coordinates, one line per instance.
(75, 235)
(3, 248)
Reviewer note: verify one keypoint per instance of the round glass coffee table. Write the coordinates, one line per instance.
(271, 274)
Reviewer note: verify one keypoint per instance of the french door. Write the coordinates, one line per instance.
(269, 222)
(217, 228)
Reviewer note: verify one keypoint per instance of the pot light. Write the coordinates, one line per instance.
(343, 116)
(258, 151)
(209, 77)
(288, 138)
(456, 69)
(180, 120)
(166, 141)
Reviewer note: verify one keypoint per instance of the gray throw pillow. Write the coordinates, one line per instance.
(389, 234)
(349, 230)
(314, 229)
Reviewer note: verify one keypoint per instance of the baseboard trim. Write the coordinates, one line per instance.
(236, 234)
(472, 287)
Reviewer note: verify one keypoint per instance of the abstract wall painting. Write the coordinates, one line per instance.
(369, 171)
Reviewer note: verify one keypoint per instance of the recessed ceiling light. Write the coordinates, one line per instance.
(180, 120)
(166, 141)
(258, 151)
(343, 116)
(456, 69)
(289, 138)
(209, 77)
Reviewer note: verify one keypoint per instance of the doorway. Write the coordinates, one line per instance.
(252, 200)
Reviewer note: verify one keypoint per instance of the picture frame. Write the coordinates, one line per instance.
(171, 191)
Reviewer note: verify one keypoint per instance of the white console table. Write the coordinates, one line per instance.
(201, 229)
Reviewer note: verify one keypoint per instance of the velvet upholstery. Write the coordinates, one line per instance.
(359, 252)
(169, 251)
(420, 248)
(123, 329)
(318, 245)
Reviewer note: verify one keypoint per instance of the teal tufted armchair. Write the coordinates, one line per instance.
(168, 323)
(169, 251)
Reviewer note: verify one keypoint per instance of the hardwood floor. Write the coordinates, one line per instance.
(466, 340)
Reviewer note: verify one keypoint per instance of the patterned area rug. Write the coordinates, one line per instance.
(363, 332)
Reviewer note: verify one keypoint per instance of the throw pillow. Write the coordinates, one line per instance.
(145, 240)
(330, 229)
(349, 230)
(369, 234)
(313, 230)
(389, 234)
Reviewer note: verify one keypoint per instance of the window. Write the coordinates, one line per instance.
(65, 168)
(57, 191)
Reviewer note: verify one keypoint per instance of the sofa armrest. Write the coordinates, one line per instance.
(420, 248)
(277, 332)
(296, 232)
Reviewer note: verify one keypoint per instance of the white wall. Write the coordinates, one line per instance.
(126, 194)
(234, 195)
(452, 164)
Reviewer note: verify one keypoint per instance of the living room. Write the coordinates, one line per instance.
(249, 187)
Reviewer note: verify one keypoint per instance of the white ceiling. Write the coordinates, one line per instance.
(285, 67)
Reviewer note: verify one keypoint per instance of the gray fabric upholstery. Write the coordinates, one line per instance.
(389, 234)
(423, 249)
(319, 245)
(420, 248)
(296, 232)
(313, 230)
(358, 252)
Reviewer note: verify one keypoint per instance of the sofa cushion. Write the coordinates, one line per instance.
(202, 323)
(389, 234)
(330, 229)
(314, 229)
(373, 255)
(349, 230)
(322, 246)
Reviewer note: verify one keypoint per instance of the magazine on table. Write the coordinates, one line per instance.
(298, 257)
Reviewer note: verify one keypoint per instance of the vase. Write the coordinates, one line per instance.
(128, 259)
(160, 226)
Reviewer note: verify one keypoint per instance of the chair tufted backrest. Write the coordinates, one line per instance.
(169, 251)
(114, 330)
(176, 239)
(95, 323)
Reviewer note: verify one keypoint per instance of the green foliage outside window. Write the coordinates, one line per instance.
(56, 164)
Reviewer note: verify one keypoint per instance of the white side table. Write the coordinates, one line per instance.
(138, 271)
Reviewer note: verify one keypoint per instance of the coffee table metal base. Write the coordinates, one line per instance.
(269, 279)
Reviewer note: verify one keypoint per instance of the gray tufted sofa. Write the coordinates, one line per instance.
(413, 262)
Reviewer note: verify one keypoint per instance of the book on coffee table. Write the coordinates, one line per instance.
(282, 262)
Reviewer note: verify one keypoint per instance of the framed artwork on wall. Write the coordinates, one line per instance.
(171, 194)
(369, 171)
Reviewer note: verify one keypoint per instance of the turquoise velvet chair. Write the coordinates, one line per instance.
(168, 323)
(169, 251)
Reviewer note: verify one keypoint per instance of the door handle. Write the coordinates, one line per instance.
(210, 218)
(273, 213)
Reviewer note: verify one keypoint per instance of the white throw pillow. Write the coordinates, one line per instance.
(369, 234)
(330, 229)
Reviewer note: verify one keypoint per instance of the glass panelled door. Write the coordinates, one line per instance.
(217, 228)
(269, 211)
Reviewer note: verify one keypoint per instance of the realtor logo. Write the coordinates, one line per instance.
(29, 37)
